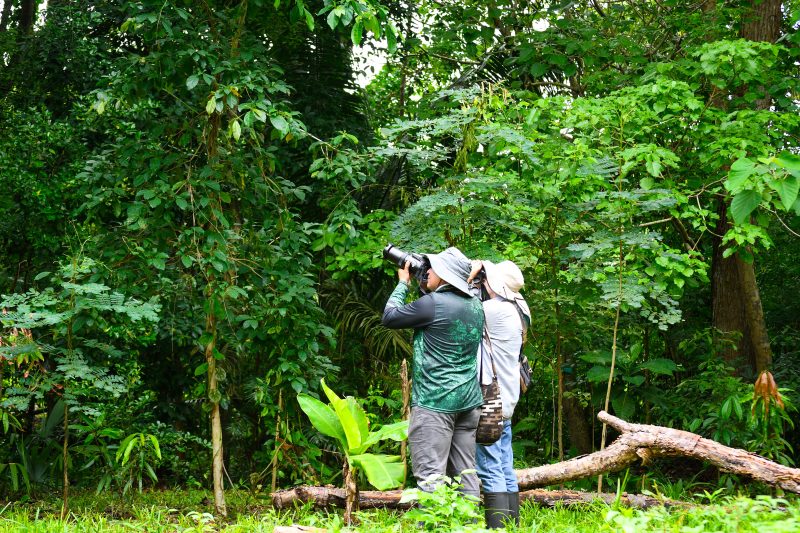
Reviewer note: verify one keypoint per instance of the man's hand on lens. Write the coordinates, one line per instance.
(477, 266)
(404, 275)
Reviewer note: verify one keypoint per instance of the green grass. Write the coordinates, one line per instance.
(190, 511)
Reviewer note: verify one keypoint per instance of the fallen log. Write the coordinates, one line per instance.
(641, 441)
(568, 498)
(329, 496)
(325, 497)
(636, 442)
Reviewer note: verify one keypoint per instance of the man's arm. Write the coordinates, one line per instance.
(398, 315)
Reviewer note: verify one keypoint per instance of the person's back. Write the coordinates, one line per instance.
(444, 353)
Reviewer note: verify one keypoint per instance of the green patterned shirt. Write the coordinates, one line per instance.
(447, 332)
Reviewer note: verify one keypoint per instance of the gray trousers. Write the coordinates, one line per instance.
(444, 444)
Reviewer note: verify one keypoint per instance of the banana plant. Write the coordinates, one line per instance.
(345, 420)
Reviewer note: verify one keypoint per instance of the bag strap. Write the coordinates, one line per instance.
(491, 352)
(522, 320)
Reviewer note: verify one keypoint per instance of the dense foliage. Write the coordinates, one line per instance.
(196, 195)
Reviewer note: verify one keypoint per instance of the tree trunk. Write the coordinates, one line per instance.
(351, 500)
(217, 464)
(756, 325)
(736, 302)
(578, 427)
(763, 22)
(27, 15)
(405, 387)
(728, 314)
(65, 461)
(5, 16)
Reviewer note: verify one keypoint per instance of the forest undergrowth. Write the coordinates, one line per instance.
(192, 511)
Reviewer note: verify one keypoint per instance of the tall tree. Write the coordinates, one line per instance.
(736, 301)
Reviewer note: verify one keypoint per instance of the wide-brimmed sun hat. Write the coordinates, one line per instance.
(453, 267)
(506, 280)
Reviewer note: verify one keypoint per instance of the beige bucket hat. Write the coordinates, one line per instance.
(506, 280)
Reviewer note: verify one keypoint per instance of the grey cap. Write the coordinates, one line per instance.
(453, 267)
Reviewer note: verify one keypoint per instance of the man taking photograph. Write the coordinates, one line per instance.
(445, 397)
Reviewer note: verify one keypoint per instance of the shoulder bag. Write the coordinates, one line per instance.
(490, 424)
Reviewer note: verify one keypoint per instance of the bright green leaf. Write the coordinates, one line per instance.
(741, 169)
(743, 204)
(789, 161)
(659, 365)
(322, 417)
(787, 189)
(384, 472)
(356, 33)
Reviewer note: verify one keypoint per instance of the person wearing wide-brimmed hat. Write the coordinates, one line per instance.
(507, 318)
(445, 396)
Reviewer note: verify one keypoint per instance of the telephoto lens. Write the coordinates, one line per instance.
(418, 264)
(399, 258)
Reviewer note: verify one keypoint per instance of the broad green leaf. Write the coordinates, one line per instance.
(653, 167)
(624, 405)
(634, 380)
(309, 20)
(332, 397)
(787, 189)
(743, 204)
(647, 183)
(597, 357)
(538, 69)
(322, 417)
(741, 169)
(356, 33)
(396, 432)
(211, 105)
(659, 365)
(354, 421)
(789, 161)
(598, 373)
(332, 19)
(280, 124)
(191, 81)
(351, 417)
(384, 472)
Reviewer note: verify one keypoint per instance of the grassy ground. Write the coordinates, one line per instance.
(190, 511)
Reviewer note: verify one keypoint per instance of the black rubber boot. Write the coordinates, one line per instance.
(496, 509)
(513, 506)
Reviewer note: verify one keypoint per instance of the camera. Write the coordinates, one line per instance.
(418, 264)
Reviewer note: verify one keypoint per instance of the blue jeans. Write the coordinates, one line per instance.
(496, 464)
